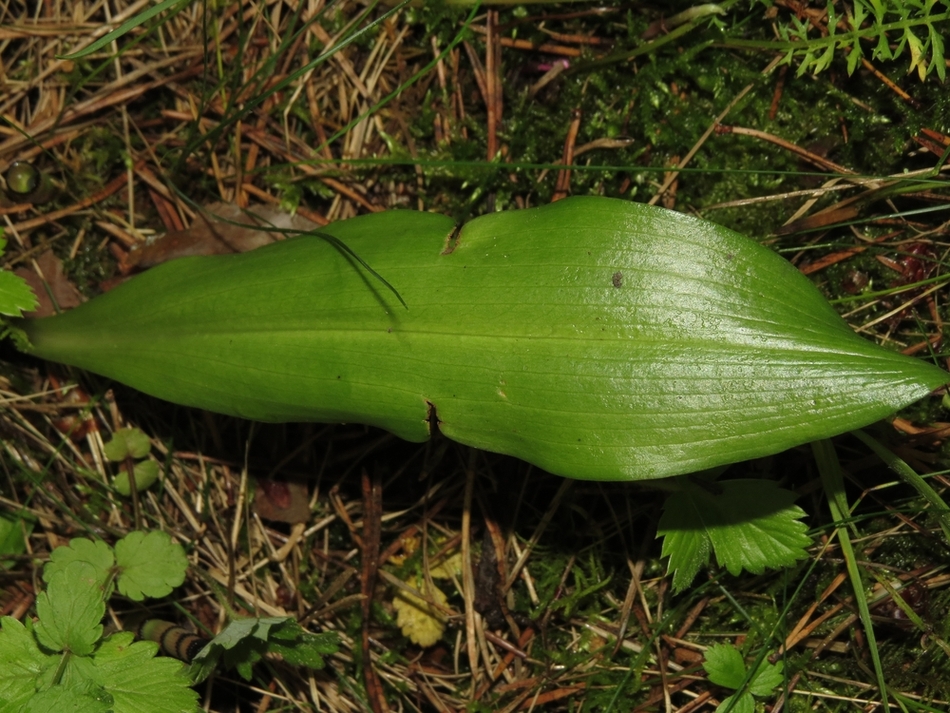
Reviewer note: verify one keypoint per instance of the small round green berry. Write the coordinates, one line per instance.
(23, 178)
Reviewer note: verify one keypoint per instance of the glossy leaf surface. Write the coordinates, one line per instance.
(594, 337)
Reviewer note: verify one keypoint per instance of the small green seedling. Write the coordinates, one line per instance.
(129, 444)
(62, 661)
(726, 667)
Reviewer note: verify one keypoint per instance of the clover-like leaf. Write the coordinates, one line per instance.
(687, 548)
(737, 703)
(80, 549)
(725, 666)
(756, 525)
(127, 442)
(241, 629)
(767, 678)
(150, 564)
(146, 473)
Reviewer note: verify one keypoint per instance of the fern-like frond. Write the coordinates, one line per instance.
(890, 29)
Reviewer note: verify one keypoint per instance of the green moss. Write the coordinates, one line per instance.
(90, 267)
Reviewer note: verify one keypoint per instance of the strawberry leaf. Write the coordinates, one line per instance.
(749, 524)
(70, 611)
(21, 664)
(141, 683)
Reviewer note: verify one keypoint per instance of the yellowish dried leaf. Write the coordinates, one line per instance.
(421, 622)
(448, 567)
(409, 546)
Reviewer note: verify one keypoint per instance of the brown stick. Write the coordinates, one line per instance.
(493, 82)
(563, 185)
(372, 524)
(812, 158)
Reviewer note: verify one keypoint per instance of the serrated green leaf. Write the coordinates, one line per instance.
(239, 629)
(93, 552)
(687, 547)
(204, 663)
(21, 664)
(141, 683)
(150, 564)
(61, 698)
(299, 647)
(737, 703)
(756, 525)
(16, 297)
(127, 442)
(750, 525)
(767, 678)
(725, 666)
(70, 611)
(241, 644)
(593, 337)
(116, 646)
(308, 652)
(146, 473)
(80, 674)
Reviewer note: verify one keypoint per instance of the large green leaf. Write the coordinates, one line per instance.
(593, 337)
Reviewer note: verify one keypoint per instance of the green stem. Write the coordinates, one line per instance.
(831, 479)
(60, 669)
